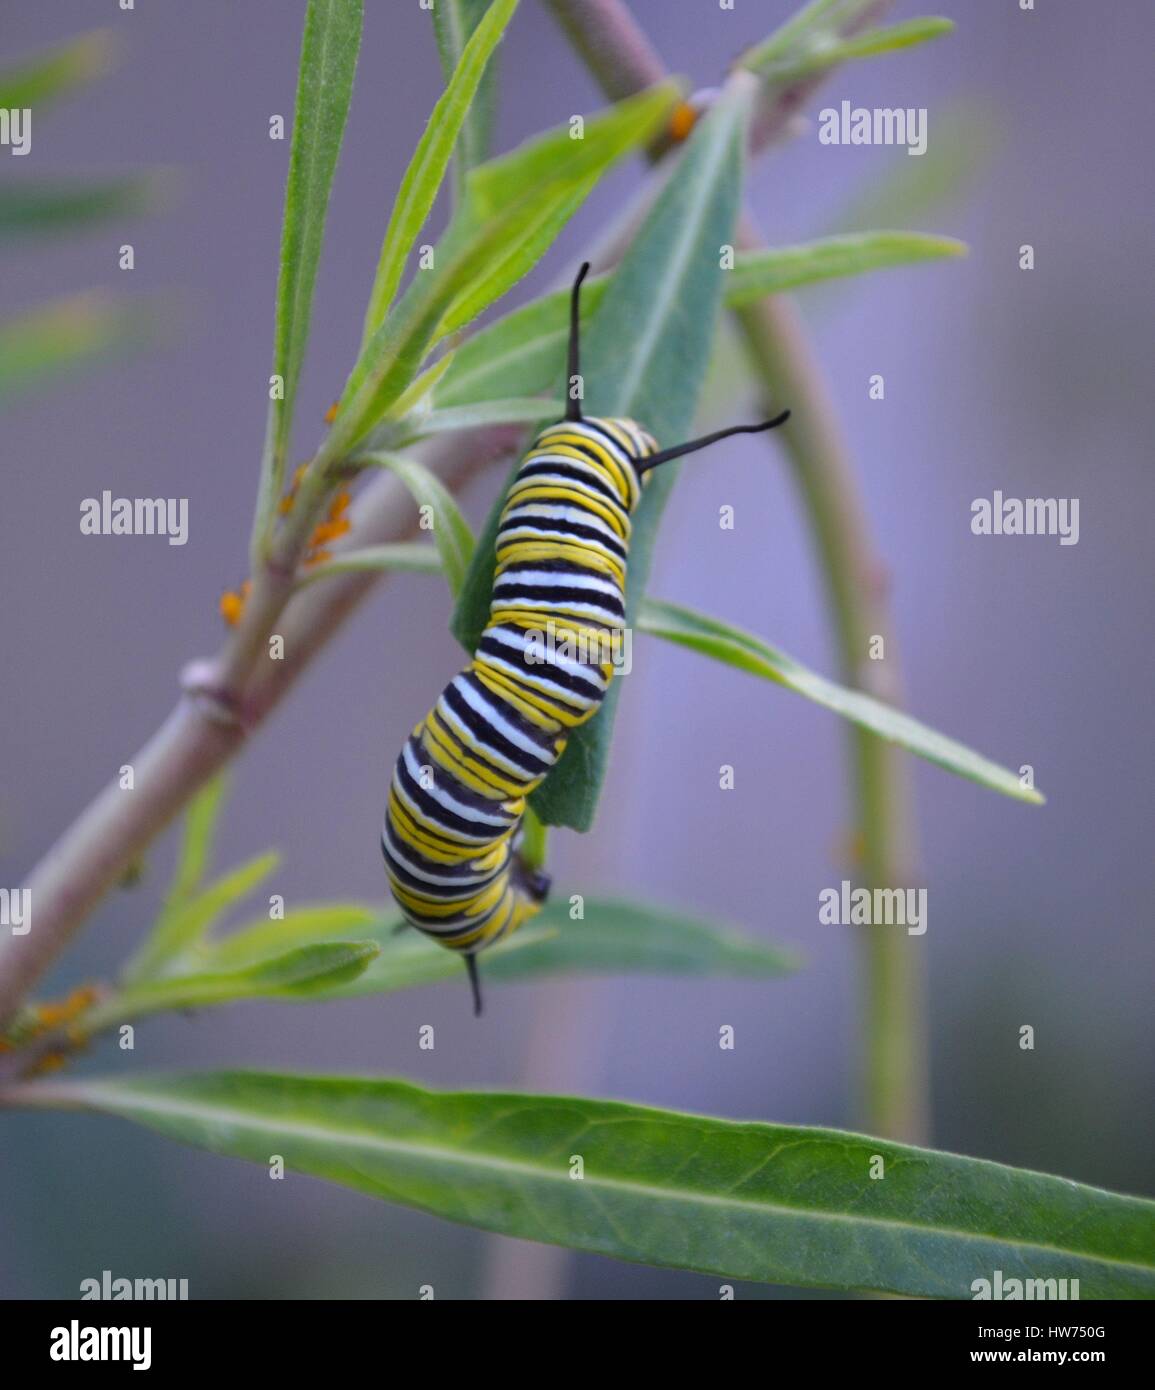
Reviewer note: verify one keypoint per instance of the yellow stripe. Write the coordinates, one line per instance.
(533, 490)
(607, 460)
(481, 777)
(501, 686)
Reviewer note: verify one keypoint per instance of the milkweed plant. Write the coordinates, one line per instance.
(429, 398)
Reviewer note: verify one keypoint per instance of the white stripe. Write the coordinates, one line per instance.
(466, 882)
(450, 803)
(595, 583)
(519, 640)
(492, 715)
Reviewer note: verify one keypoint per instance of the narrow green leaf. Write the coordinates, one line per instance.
(522, 353)
(417, 394)
(181, 930)
(50, 206)
(748, 653)
(615, 938)
(66, 334)
(515, 411)
(760, 273)
(196, 849)
(302, 974)
(607, 136)
(486, 249)
(404, 557)
(261, 939)
(451, 533)
(823, 47)
(549, 178)
(329, 45)
(431, 159)
(57, 71)
(778, 1203)
(646, 356)
(453, 23)
(408, 960)
(383, 376)
(533, 224)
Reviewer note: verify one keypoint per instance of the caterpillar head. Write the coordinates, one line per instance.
(638, 445)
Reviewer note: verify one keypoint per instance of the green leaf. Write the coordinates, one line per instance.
(317, 923)
(453, 23)
(302, 974)
(431, 159)
(748, 653)
(408, 960)
(451, 533)
(180, 929)
(44, 206)
(760, 273)
(823, 47)
(196, 848)
(66, 334)
(329, 45)
(486, 249)
(615, 938)
(522, 353)
(514, 411)
(417, 395)
(645, 356)
(57, 71)
(405, 557)
(549, 178)
(778, 1203)
(557, 154)
(531, 226)
(382, 380)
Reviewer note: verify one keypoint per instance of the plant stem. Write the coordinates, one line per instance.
(893, 1083)
(893, 1079)
(535, 835)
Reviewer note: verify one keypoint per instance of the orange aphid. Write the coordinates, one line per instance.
(233, 605)
(331, 413)
(683, 120)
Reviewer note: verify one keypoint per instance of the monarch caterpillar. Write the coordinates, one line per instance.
(460, 783)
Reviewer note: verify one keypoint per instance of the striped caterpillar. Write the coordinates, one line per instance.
(459, 788)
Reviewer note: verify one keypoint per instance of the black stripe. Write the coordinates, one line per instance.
(441, 815)
(545, 671)
(446, 892)
(617, 443)
(574, 475)
(484, 734)
(558, 597)
(560, 526)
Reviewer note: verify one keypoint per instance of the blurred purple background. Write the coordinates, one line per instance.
(1032, 652)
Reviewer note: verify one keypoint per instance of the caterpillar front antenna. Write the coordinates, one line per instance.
(573, 409)
(694, 445)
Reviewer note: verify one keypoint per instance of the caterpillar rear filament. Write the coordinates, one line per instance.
(459, 788)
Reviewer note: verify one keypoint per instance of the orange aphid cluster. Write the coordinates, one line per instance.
(335, 524)
(50, 1017)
